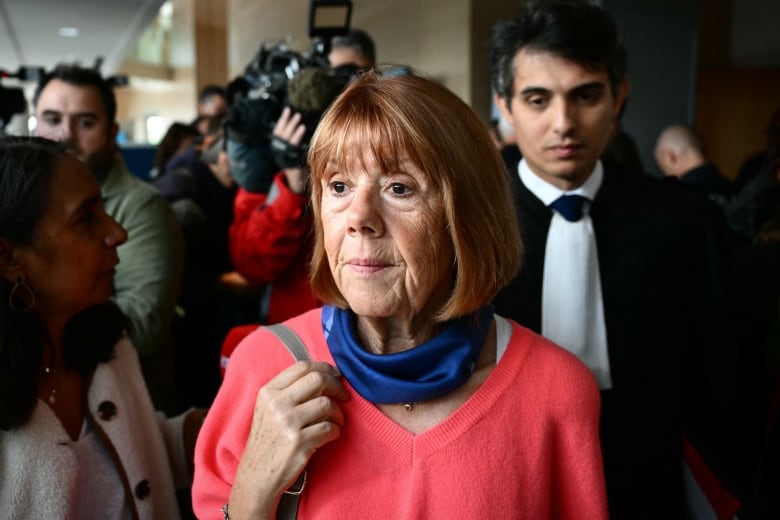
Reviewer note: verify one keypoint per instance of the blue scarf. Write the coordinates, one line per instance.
(422, 373)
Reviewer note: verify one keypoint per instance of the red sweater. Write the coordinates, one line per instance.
(524, 445)
(270, 243)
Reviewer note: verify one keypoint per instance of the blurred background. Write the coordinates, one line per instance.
(711, 63)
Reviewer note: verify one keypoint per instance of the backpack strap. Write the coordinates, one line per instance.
(288, 505)
(290, 340)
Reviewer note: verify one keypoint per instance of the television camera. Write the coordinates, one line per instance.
(12, 100)
(275, 64)
(277, 77)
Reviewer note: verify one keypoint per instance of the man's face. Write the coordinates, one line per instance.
(347, 56)
(75, 116)
(214, 105)
(563, 116)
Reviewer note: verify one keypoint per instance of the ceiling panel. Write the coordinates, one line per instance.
(29, 31)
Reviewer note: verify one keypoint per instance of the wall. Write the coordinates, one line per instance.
(170, 92)
(738, 78)
(173, 100)
(661, 69)
(446, 39)
(484, 15)
(210, 43)
(431, 36)
(733, 107)
(443, 39)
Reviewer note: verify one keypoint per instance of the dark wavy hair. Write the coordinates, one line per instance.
(572, 29)
(27, 166)
(176, 134)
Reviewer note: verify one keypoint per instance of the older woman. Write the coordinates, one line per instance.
(78, 435)
(419, 401)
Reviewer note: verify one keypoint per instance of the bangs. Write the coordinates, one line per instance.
(389, 119)
(369, 121)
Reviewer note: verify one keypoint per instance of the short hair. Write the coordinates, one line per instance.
(211, 90)
(571, 29)
(391, 116)
(358, 40)
(81, 77)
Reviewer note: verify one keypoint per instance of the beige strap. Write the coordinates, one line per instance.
(288, 505)
(290, 340)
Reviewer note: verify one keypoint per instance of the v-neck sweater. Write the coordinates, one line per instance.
(524, 445)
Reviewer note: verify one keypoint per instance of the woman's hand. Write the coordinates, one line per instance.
(295, 413)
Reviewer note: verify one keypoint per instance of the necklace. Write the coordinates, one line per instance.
(53, 394)
(408, 406)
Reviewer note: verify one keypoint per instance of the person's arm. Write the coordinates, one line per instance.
(148, 277)
(264, 240)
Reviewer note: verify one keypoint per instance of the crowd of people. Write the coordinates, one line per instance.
(509, 324)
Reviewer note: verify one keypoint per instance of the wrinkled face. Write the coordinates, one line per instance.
(385, 237)
(563, 116)
(75, 115)
(69, 262)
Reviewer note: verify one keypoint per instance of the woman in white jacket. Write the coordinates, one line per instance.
(79, 437)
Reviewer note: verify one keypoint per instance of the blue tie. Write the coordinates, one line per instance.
(569, 206)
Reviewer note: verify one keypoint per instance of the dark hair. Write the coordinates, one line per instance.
(27, 165)
(81, 77)
(213, 124)
(237, 90)
(358, 40)
(571, 29)
(211, 90)
(171, 141)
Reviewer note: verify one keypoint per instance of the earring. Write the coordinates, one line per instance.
(17, 294)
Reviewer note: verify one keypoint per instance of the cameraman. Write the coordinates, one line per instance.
(270, 237)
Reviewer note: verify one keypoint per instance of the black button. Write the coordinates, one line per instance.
(107, 410)
(142, 489)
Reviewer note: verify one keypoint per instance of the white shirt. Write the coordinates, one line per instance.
(572, 302)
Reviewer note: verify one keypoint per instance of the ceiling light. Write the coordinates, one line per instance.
(68, 32)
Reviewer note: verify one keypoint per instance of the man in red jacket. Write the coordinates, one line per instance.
(269, 239)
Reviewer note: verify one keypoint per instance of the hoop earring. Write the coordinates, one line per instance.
(16, 295)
